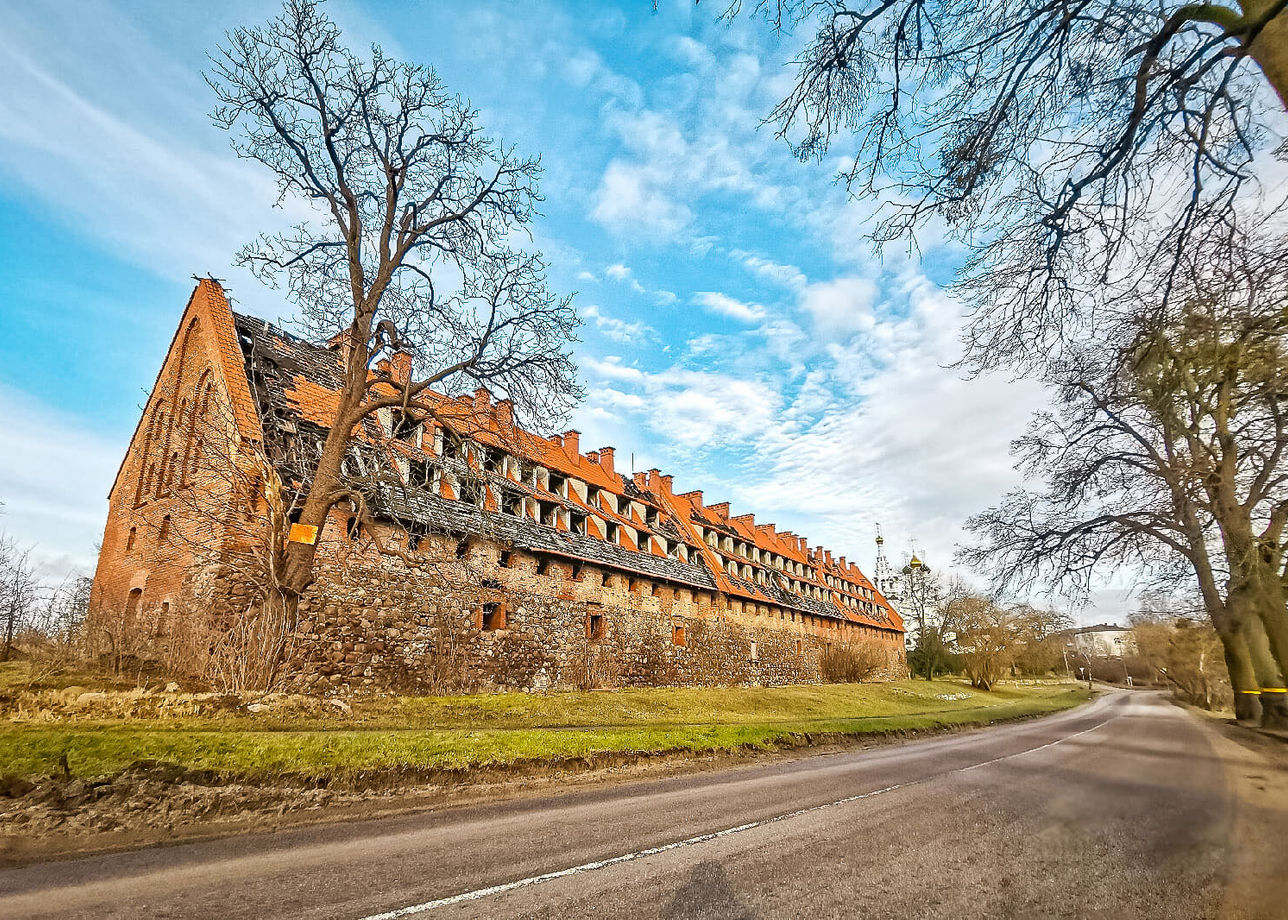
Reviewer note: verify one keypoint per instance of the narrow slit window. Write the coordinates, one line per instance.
(595, 624)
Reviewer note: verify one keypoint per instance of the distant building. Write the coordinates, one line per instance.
(1104, 640)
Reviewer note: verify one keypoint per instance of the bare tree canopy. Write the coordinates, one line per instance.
(1071, 144)
(413, 249)
(1166, 455)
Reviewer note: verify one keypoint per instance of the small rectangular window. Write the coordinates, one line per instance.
(129, 541)
(755, 652)
(493, 617)
(677, 635)
(503, 560)
(594, 625)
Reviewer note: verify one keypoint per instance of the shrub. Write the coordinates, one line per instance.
(851, 664)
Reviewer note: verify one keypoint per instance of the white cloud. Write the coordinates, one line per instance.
(728, 306)
(54, 478)
(618, 330)
(789, 276)
(620, 272)
(121, 176)
(695, 409)
(631, 200)
(841, 307)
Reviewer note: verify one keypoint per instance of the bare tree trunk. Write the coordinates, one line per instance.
(1243, 678)
(1274, 699)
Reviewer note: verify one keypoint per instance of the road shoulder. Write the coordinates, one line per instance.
(1256, 769)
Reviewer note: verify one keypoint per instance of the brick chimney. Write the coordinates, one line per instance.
(606, 460)
(401, 364)
(641, 480)
(695, 497)
(572, 440)
(592, 456)
(721, 508)
(505, 413)
(748, 519)
(482, 399)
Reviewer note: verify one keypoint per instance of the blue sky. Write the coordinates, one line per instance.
(739, 331)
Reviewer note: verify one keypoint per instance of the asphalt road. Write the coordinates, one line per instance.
(1124, 808)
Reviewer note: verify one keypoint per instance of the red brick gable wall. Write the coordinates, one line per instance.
(163, 507)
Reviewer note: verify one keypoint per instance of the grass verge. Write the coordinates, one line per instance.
(458, 734)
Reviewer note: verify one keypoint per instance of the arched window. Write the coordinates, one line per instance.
(169, 474)
(147, 468)
(129, 541)
(196, 416)
(163, 423)
(132, 606)
(164, 533)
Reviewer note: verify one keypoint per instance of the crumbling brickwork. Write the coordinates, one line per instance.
(526, 563)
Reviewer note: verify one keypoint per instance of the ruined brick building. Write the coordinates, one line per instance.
(523, 561)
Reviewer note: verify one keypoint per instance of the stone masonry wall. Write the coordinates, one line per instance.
(370, 624)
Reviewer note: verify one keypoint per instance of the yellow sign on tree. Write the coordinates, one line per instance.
(303, 533)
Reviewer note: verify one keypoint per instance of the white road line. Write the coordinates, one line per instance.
(480, 893)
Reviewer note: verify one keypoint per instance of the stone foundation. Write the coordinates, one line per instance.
(370, 624)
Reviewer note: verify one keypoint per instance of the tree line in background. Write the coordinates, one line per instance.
(37, 619)
(954, 629)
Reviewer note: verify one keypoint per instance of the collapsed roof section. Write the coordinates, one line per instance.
(466, 467)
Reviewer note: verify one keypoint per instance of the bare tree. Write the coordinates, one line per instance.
(413, 249)
(1166, 456)
(1070, 144)
(19, 591)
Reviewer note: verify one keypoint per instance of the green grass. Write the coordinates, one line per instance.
(425, 734)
